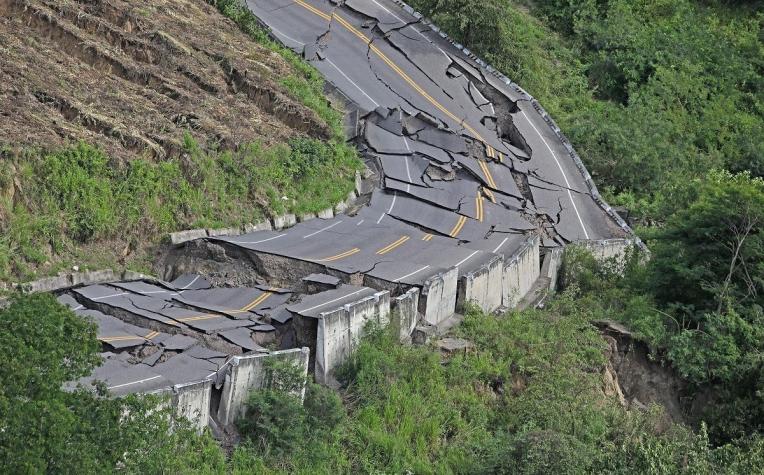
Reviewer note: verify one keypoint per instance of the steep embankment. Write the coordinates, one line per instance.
(188, 122)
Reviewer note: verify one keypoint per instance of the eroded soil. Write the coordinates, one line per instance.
(133, 76)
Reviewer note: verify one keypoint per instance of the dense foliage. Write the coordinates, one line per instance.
(527, 399)
(45, 428)
(699, 301)
(651, 92)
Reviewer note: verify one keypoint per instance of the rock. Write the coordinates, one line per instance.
(306, 217)
(261, 226)
(283, 222)
(224, 232)
(454, 345)
(422, 334)
(328, 213)
(184, 236)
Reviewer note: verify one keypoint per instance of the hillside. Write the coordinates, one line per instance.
(123, 120)
(132, 77)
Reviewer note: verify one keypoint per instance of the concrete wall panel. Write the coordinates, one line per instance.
(192, 401)
(483, 287)
(520, 272)
(438, 299)
(405, 314)
(246, 373)
(340, 330)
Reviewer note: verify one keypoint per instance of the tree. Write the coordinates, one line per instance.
(45, 428)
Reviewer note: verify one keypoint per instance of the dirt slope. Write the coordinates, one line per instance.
(132, 75)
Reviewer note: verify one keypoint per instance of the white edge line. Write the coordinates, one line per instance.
(376, 104)
(258, 242)
(109, 296)
(322, 230)
(280, 33)
(409, 275)
(554, 155)
(466, 259)
(191, 283)
(335, 300)
(500, 245)
(134, 382)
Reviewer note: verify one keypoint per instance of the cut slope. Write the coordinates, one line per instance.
(132, 76)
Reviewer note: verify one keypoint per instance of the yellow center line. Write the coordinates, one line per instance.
(108, 339)
(427, 237)
(393, 245)
(339, 256)
(479, 207)
(398, 70)
(255, 302)
(458, 226)
(205, 316)
(487, 173)
(490, 194)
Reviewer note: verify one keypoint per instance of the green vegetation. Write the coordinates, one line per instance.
(78, 207)
(699, 300)
(46, 429)
(77, 197)
(650, 92)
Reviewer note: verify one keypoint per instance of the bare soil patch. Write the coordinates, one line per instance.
(132, 76)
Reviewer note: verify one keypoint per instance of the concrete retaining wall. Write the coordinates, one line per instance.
(438, 299)
(340, 330)
(246, 373)
(192, 401)
(73, 279)
(551, 267)
(405, 314)
(483, 287)
(520, 272)
(609, 248)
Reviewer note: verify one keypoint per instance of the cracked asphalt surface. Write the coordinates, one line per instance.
(467, 169)
(468, 166)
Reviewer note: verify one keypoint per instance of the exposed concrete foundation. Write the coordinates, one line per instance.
(483, 287)
(520, 272)
(438, 299)
(340, 330)
(246, 373)
(405, 314)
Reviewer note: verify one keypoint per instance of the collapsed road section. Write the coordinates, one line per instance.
(469, 184)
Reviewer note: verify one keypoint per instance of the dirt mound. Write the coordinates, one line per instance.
(132, 76)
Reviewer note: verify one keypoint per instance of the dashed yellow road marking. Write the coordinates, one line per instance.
(458, 226)
(427, 237)
(400, 72)
(393, 245)
(339, 256)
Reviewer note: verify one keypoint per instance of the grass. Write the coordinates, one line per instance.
(73, 199)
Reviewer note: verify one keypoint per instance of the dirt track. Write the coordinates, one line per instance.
(132, 76)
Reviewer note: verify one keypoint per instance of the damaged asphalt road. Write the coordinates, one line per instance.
(467, 169)
(460, 154)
